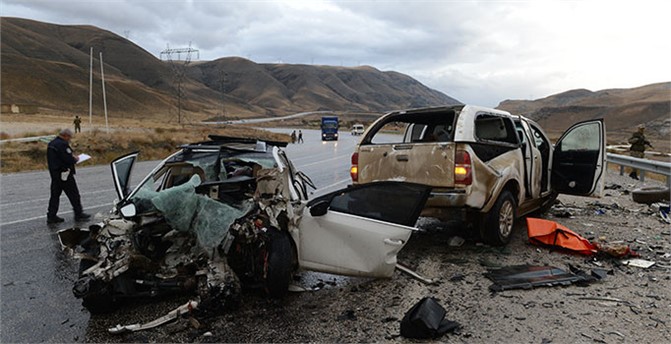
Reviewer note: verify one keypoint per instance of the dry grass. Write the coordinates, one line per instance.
(153, 144)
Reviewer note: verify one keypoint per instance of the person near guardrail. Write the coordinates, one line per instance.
(61, 163)
(637, 149)
(78, 124)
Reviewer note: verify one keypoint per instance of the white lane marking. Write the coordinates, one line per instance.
(322, 161)
(46, 199)
(44, 216)
(334, 184)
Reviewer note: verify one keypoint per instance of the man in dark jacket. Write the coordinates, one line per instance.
(61, 163)
(637, 149)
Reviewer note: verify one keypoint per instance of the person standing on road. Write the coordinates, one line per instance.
(637, 149)
(61, 163)
(78, 124)
(300, 136)
(293, 136)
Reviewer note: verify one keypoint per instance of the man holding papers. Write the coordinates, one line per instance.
(61, 163)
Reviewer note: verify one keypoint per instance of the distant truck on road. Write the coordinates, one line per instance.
(330, 128)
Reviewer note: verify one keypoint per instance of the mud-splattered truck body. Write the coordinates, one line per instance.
(485, 166)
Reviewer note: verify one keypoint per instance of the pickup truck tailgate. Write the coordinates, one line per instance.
(423, 163)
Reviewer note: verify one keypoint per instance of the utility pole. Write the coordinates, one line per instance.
(102, 75)
(222, 89)
(91, 86)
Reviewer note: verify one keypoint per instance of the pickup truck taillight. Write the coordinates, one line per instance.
(354, 170)
(462, 168)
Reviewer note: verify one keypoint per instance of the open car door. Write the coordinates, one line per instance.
(121, 171)
(359, 230)
(579, 159)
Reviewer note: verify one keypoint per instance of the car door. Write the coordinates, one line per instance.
(579, 159)
(358, 231)
(121, 171)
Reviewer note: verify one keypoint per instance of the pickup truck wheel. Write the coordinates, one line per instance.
(280, 263)
(497, 226)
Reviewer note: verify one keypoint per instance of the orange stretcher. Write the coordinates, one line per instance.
(550, 233)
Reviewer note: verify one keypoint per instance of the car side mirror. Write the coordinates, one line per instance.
(128, 210)
(320, 208)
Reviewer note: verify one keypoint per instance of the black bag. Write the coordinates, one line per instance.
(425, 320)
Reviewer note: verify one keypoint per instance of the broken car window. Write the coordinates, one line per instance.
(389, 133)
(495, 128)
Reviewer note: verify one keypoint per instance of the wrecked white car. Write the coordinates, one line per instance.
(486, 166)
(229, 212)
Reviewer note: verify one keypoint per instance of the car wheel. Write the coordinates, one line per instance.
(96, 295)
(280, 264)
(497, 226)
(650, 194)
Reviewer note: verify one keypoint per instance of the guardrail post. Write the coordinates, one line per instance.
(642, 165)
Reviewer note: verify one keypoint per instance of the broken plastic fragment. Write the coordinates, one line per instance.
(172, 315)
(529, 276)
(426, 320)
(414, 274)
(639, 263)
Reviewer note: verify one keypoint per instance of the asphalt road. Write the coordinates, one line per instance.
(37, 277)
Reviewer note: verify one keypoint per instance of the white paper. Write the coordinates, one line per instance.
(83, 157)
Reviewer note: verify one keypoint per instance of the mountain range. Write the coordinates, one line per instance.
(47, 65)
(622, 109)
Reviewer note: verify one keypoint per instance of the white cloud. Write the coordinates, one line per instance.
(479, 52)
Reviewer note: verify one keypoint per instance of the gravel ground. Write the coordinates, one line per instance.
(631, 305)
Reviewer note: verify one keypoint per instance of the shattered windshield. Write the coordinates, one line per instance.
(210, 165)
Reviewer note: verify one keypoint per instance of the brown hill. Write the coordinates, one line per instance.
(48, 65)
(622, 109)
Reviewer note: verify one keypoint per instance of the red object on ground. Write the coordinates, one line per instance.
(550, 233)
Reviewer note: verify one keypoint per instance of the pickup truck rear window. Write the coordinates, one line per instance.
(495, 128)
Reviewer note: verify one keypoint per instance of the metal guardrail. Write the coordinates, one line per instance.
(45, 138)
(643, 165)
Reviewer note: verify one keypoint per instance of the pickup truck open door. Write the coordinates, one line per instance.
(579, 159)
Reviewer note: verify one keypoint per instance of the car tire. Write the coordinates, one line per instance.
(650, 194)
(280, 264)
(98, 297)
(497, 225)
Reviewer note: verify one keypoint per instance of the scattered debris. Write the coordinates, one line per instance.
(616, 249)
(639, 263)
(456, 241)
(529, 276)
(612, 186)
(457, 278)
(414, 274)
(426, 320)
(172, 315)
(347, 315)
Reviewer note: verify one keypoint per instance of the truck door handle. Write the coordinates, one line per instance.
(402, 157)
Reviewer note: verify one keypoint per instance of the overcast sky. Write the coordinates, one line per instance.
(479, 52)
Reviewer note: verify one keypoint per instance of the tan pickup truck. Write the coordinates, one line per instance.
(486, 167)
